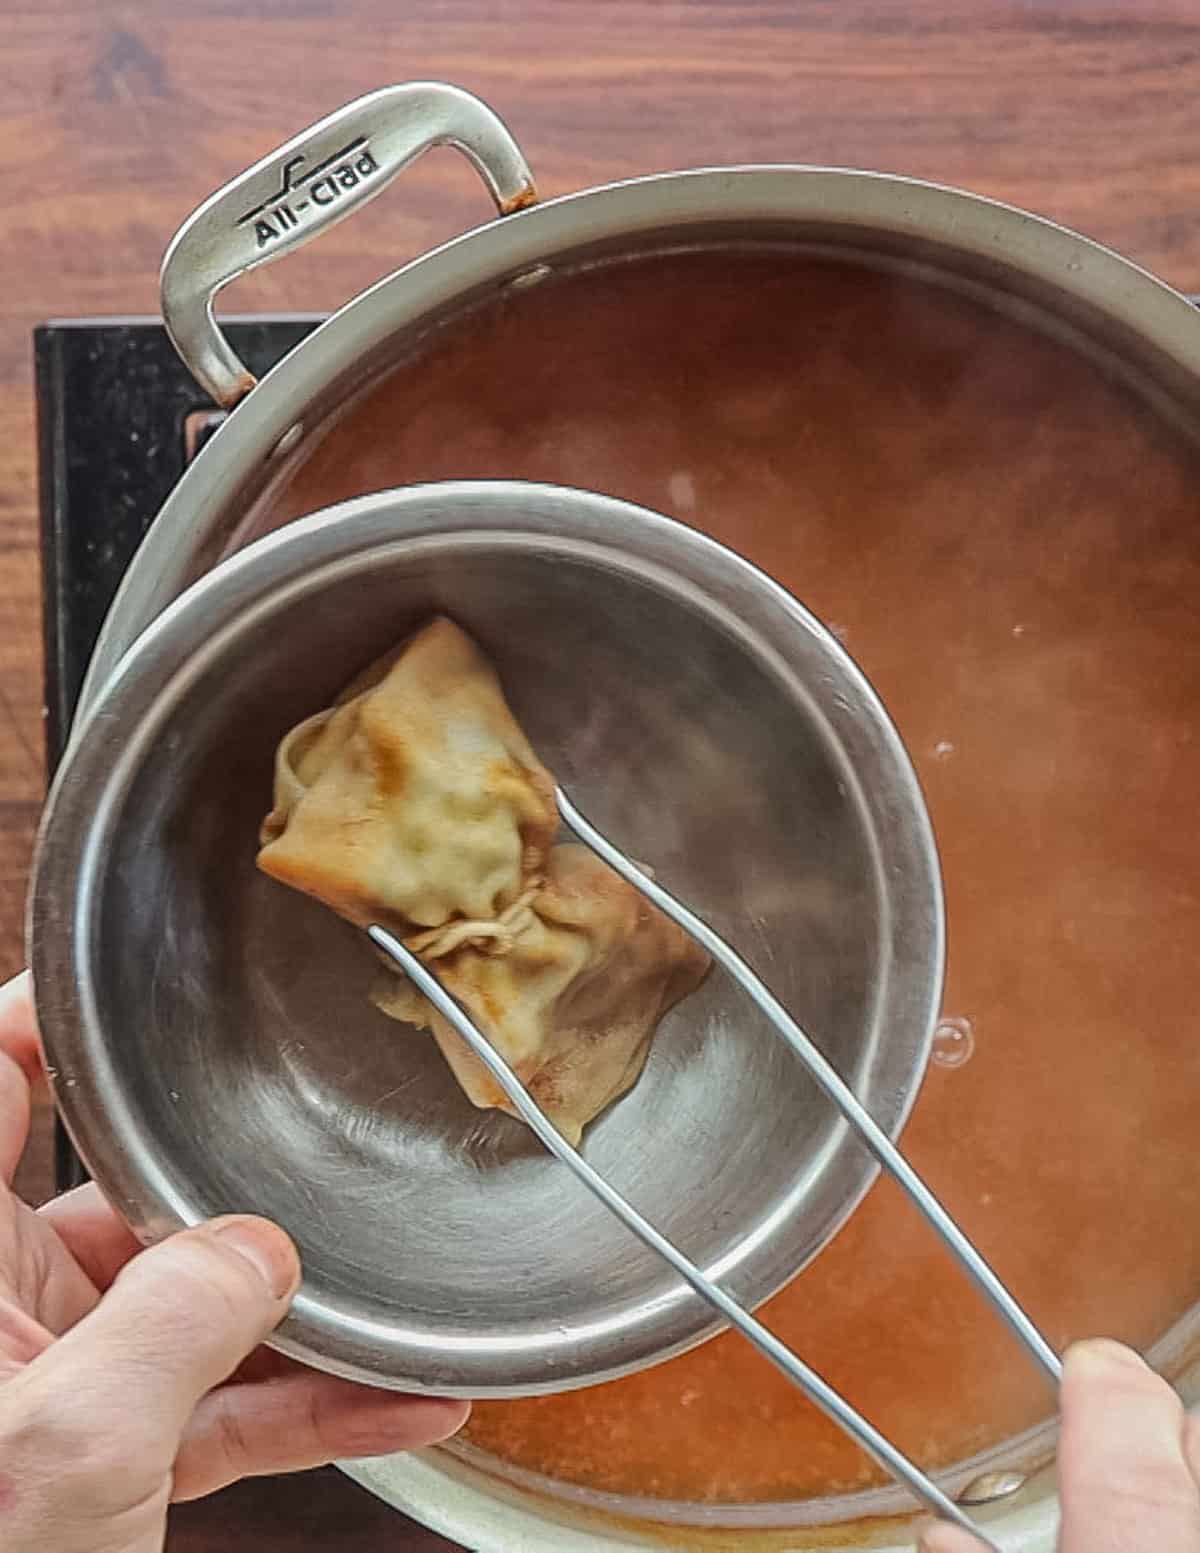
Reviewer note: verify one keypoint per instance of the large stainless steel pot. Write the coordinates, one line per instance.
(1054, 282)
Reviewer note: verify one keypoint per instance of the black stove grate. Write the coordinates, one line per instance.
(119, 416)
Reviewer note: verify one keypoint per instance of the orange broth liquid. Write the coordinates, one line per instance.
(1009, 544)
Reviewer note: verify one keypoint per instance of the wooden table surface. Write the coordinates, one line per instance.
(117, 118)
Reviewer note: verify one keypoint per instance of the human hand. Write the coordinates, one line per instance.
(131, 1378)
(1128, 1461)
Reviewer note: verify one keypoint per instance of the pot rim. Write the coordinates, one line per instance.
(246, 452)
(267, 431)
(488, 1515)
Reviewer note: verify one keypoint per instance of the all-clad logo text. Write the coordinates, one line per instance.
(310, 192)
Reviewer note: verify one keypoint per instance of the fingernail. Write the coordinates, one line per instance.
(449, 1410)
(18, 988)
(1103, 1353)
(407, 1424)
(443, 1414)
(265, 1246)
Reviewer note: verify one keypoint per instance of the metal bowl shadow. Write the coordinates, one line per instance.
(212, 1046)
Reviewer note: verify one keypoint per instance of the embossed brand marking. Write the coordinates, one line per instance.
(326, 183)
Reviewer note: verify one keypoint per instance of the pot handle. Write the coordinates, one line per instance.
(313, 181)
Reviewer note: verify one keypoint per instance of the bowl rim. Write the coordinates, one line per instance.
(176, 649)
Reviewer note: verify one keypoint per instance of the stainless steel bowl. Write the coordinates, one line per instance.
(211, 1042)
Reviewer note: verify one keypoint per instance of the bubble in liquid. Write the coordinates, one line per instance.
(953, 1042)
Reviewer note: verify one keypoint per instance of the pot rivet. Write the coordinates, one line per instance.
(288, 441)
(529, 277)
(990, 1486)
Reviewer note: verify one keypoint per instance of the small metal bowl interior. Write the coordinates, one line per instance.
(213, 1046)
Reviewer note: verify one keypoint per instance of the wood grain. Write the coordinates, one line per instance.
(116, 118)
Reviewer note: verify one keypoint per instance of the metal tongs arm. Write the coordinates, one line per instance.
(832, 1085)
(817, 1389)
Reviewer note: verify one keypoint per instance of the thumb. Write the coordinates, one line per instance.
(176, 1322)
(1123, 1469)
